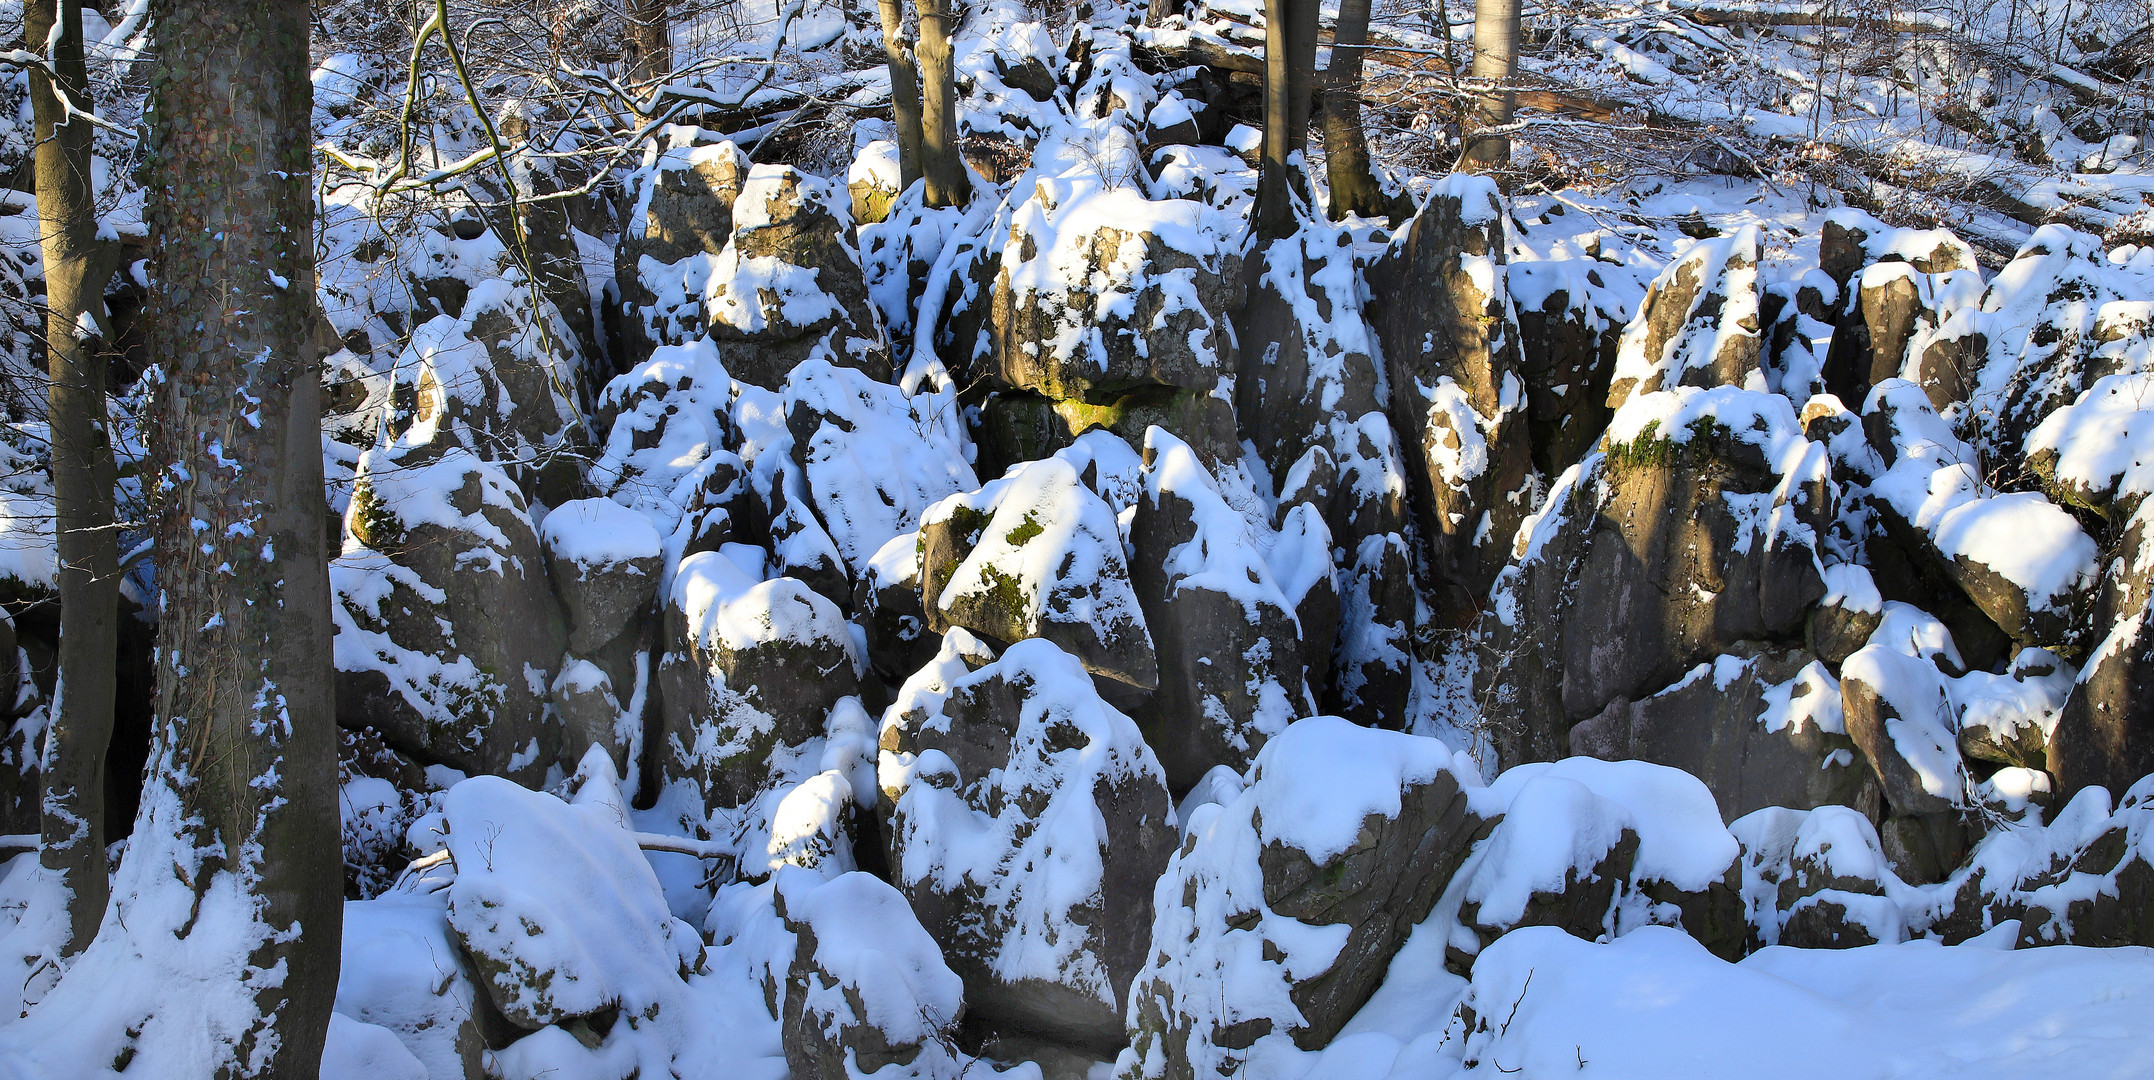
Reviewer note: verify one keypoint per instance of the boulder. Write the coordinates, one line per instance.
(867, 989)
(1698, 324)
(679, 208)
(2094, 453)
(1599, 848)
(886, 601)
(1818, 879)
(1451, 341)
(1571, 314)
(2025, 564)
(749, 665)
(2105, 736)
(1227, 638)
(872, 457)
(1846, 615)
(1284, 907)
(560, 914)
(604, 560)
(1028, 824)
(448, 631)
(788, 285)
(1101, 291)
(1695, 528)
(1762, 729)
(1037, 554)
(668, 433)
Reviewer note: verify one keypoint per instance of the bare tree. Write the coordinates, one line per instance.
(1495, 61)
(904, 90)
(1289, 76)
(76, 267)
(245, 743)
(941, 162)
(1354, 187)
(650, 35)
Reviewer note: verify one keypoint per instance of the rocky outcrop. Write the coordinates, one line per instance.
(1100, 292)
(1763, 729)
(1695, 528)
(1037, 554)
(1698, 324)
(1228, 638)
(1452, 343)
(866, 988)
(758, 257)
(448, 630)
(604, 560)
(1598, 849)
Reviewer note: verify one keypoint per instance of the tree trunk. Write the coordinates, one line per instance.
(650, 34)
(1495, 58)
(76, 266)
(243, 777)
(1354, 187)
(1289, 76)
(941, 164)
(904, 90)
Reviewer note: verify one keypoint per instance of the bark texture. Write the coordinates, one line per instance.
(1354, 187)
(904, 89)
(74, 834)
(1289, 78)
(1495, 58)
(245, 725)
(941, 163)
(650, 35)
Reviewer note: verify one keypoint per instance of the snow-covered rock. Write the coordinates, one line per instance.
(1762, 729)
(750, 664)
(868, 993)
(1451, 341)
(1029, 821)
(1038, 554)
(1698, 324)
(1280, 914)
(1229, 642)
(1697, 526)
(448, 631)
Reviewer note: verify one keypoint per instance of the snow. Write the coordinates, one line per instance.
(1317, 780)
(1655, 1003)
(599, 532)
(1680, 838)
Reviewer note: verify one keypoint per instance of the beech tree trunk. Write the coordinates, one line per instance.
(1289, 77)
(941, 163)
(650, 33)
(245, 738)
(1495, 58)
(1354, 187)
(904, 90)
(72, 845)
